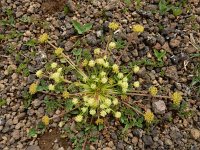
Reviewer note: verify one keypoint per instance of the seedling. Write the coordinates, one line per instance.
(81, 29)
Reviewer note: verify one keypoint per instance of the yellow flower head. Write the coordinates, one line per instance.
(51, 87)
(153, 90)
(113, 25)
(91, 63)
(104, 80)
(97, 51)
(43, 38)
(115, 101)
(58, 51)
(54, 65)
(45, 120)
(103, 113)
(99, 121)
(115, 68)
(56, 77)
(65, 94)
(117, 114)
(112, 45)
(136, 84)
(136, 69)
(92, 112)
(148, 116)
(85, 62)
(78, 118)
(39, 73)
(33, 88)
(138, 28)
(176, 98)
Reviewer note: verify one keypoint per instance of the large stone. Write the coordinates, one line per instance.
(33, 147)
(171, 72)
(148, 141)
(195, 133)
(159, 107)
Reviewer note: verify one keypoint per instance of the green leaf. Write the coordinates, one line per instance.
(68, 105)
(2, 102)
(32, 132)
(31, 43)
(81, 28)
(87, 27)
(176, 11)
(164, 7)
(159, 55)
(77, 26)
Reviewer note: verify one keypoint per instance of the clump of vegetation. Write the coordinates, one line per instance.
(100, 88)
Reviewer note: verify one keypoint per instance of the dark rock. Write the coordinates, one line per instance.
(113, 136)
(160, 39)
(33, 147)
(24, 47)
(71, 5)
(175, 135)
(151, 40)
(171, 72)
(148, 141)
(69, 45)
(108, 14)
(2, 121)
(137, 133)
(174, 43)
(91, 39)
(175, 59)
(120, 145)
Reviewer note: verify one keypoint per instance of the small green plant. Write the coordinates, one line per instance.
(159, 56)
(165, 6)
(2, 102)
(81, 29)
(9, 21)
(99, 87)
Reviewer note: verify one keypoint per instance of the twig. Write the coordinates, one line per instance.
(62, 114)
(148, 95)
(4, 56)
(84, 144)
(137, 111)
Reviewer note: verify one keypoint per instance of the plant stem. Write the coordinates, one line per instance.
(137, 111)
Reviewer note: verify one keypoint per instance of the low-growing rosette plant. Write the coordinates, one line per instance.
(98, 86)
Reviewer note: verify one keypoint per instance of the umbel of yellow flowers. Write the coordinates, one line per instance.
(176, 98)
(113, 25)
(46, 120)
(33, 88)
(43, 38)
(149, 116)
(138, 28)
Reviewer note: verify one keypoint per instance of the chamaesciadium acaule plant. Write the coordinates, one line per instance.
(98, 87)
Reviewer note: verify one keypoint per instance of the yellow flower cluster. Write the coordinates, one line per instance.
(176, 98)
(153, 90)
(124, 84)
(33, 88)
(112, 45)
(115, 68)
(58, 51)
(149, 116)
(65, 94)
(39, 73)
(46, 120)
(138, 28)
(136, 69)
(56, 76)
(43, 38)
(113, 25)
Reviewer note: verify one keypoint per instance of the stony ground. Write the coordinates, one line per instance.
(19, 63)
